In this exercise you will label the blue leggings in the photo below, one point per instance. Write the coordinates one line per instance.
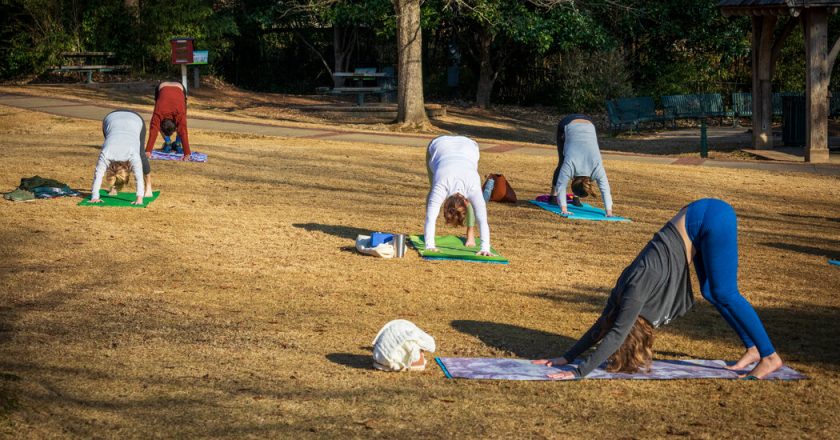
(712, 228)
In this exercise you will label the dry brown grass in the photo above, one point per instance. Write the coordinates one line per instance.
(234, 305)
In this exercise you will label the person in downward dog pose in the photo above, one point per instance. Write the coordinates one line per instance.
(579, 161)
(122, 154)
(452, 164)
(170, 116)
(655, 289)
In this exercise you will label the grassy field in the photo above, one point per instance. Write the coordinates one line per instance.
(236, 306)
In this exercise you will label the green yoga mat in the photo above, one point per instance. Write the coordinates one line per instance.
(122, 200)
(451, 247)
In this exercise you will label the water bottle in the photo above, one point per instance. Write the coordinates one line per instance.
(488, 189)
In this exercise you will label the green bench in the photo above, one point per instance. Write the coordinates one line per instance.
(632, 112)
(697, 106)
(742, 103)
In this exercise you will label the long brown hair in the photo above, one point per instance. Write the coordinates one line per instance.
(455, 210)
(636, 352)
(583, 186)
(120, 171)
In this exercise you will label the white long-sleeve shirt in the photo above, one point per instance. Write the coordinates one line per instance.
(453, 162)
(122, 130)
(582, 157)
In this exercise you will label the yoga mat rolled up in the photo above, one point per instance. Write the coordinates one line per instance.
(451, 247)
(121, 200)
(585, 212)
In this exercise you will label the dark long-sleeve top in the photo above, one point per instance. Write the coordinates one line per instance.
(655, 286)
(170, 104)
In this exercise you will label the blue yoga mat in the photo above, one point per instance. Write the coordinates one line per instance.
(834, 262)
(585, 212)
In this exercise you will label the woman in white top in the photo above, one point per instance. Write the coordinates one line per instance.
(452, 163)
(122, 153)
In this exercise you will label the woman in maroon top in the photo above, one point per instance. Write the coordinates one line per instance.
(170, 115)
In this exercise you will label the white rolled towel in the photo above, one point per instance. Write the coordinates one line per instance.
(400, 344)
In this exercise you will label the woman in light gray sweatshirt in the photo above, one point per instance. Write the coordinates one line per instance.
(579, 162)
(122, 154)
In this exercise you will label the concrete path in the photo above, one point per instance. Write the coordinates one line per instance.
(81, 110)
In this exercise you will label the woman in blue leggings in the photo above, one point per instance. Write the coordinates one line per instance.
(655, 289)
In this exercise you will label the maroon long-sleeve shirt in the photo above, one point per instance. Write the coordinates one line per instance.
(170, 104)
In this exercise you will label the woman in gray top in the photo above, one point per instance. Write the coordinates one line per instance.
(579, 162)
(655, 289)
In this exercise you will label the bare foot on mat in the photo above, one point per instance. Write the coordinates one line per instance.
(765, 367)
(750, 356)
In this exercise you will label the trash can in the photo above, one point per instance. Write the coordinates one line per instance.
(793, 121)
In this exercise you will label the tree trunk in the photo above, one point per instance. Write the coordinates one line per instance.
(486, 74)
(411, 109)
(343, 41)
(816, 85)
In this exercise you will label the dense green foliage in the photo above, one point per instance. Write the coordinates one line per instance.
(570, 54)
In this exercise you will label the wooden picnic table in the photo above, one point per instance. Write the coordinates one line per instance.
(357, 79)
(89, 62)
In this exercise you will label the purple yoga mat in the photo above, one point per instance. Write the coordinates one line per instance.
(523, 369)
(194, 156)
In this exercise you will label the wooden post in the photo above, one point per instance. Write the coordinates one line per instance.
(762, 89)
(816, 85)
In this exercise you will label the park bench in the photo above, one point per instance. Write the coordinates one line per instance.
(359, 84)
(87, 63)
(632, 112)
(697, 106)
(742, 104)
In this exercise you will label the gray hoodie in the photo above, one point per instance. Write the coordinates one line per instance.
(655, 286)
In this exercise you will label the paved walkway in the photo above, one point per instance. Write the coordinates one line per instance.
(75, 109)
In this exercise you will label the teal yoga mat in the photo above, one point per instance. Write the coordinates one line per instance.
(834, 262)
(451, 247)
(585, 212)
(121, 200)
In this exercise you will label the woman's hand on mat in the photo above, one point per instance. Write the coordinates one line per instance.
(139, 201)
(96, 201)
(563, 375)
(555, 362)
(186, 157)
(149, 154)
(609, 213)
(470, 243)
(485, 253)
(565, 212)
(433, 249)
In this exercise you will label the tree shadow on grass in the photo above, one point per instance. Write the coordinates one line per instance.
(348, 232)
(520, 341)
(357, 361)
(820, 252)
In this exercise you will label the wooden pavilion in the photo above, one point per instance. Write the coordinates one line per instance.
(766, 47)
